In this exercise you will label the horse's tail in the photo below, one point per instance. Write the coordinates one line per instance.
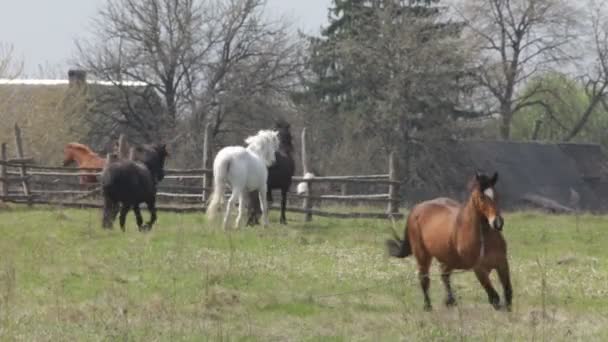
(220, 170)
(397, 247)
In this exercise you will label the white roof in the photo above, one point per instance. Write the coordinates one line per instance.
(66, 82)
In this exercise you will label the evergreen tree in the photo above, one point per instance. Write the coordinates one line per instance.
(384, 73)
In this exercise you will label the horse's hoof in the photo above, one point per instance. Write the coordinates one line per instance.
(428, 308)
(450, 302)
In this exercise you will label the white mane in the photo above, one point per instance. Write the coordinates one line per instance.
(264, 144)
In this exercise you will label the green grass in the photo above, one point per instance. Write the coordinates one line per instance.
(64, 278)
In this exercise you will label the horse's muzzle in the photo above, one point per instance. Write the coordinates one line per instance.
(498, 223)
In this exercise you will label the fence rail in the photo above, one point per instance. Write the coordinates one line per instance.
(183, 190)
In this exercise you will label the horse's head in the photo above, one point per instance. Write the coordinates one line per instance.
(485, 199)
(153, 156)
(68, 155)
(285, 138)
(73, 152)
(264, 144)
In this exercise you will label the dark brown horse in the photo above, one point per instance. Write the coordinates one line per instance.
(127, 183)
(280, 174)
(460, 236)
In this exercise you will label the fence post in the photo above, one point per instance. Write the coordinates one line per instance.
(206, 154)
(307, 202)
(123, 151)
(3, 180)
(393, 188)
(131, 153)
(344, 189)
(22, 168)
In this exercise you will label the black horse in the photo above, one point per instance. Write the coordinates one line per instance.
(127, 183)
(279, 175)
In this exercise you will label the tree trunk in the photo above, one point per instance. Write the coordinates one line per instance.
(536, 131)
(505, 122)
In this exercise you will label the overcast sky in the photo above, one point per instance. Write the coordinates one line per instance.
(43, 31)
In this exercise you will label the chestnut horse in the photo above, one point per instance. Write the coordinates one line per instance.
(85, 158)
(460, 236)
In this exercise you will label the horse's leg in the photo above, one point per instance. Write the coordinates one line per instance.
(264, 207)
(424, 264)
(110, 209)
(505, 280)
(106, 223)
(423, 259)
(229, 207)
(124, 209)
(253, 209)
(151, 204)
(242, 200)
(250, 212)
(483, 275)
(283, 219)
(138, 218)
(446, 272)
(257, 210)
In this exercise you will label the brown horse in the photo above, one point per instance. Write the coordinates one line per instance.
(85, 158)
(459, 237)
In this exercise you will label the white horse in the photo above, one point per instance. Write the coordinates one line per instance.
(246, 170)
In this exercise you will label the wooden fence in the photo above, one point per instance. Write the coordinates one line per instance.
(184, 190)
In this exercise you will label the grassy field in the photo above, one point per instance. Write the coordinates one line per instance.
(63, 278)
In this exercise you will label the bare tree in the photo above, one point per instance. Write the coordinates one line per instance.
(10, 67)
(155, 42)
(219, 62)
(596, 78)
(251, 62)
(516, 40)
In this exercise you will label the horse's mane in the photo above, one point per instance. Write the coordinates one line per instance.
(81, 147)
(472, 185)
(264, 144)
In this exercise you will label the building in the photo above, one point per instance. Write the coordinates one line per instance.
(54, 112)
(570, 175)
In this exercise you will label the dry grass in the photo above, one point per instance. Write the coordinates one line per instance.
(64, 278)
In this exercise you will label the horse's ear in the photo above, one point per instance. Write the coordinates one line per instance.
(478, 175)
(494, 178)
(163, 148)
